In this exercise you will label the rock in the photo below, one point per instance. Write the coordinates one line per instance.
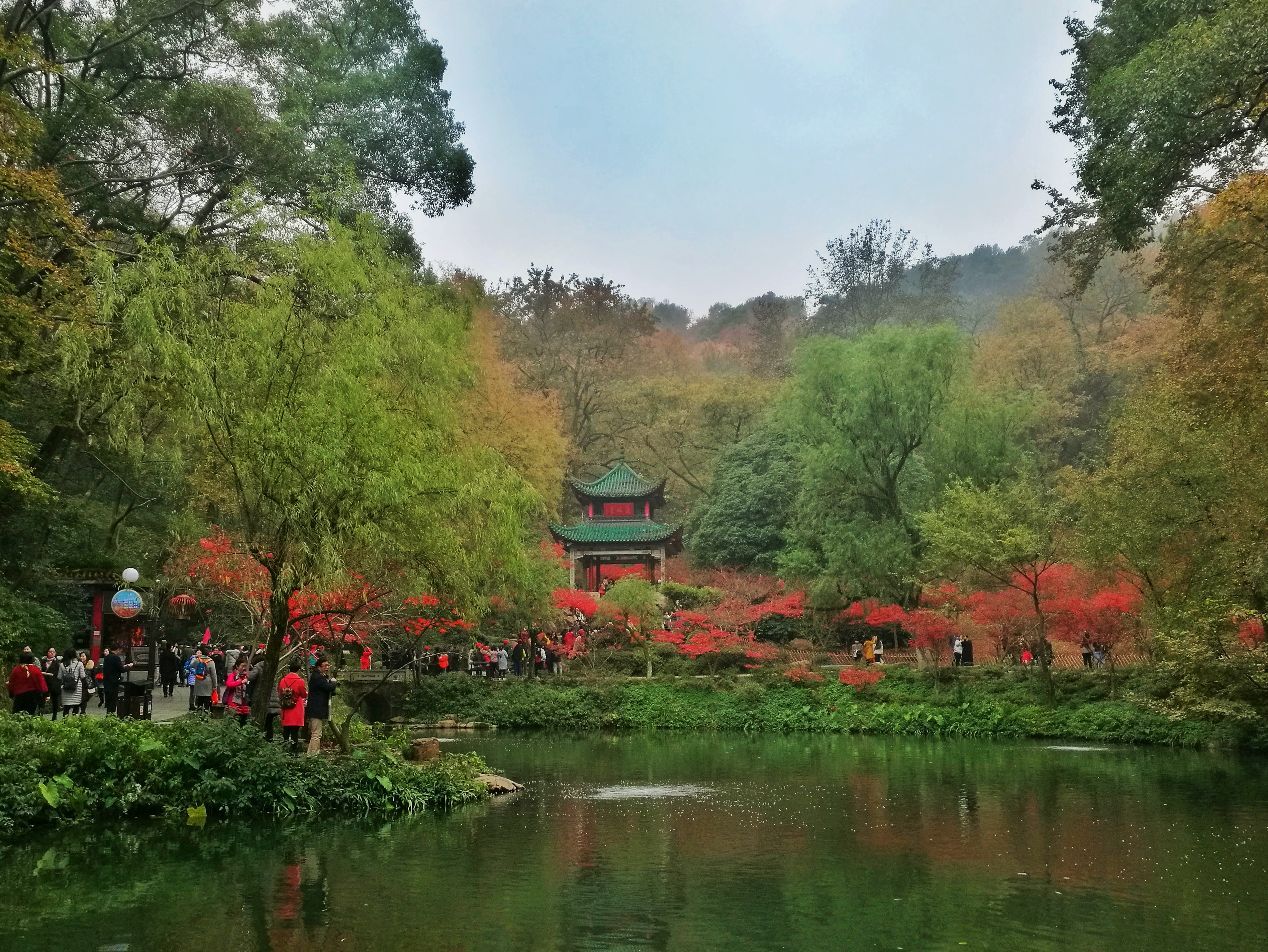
(423, 749)
(498, 785)
(447, 722)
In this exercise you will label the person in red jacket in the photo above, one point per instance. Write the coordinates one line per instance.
(292, 692)
(27, 686)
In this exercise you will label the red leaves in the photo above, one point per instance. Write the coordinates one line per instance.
(859, 678)
(800, 674)
(1251, 632)
(570, 599)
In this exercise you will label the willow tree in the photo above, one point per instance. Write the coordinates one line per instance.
(322, 379)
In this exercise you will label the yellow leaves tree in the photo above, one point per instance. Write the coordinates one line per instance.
(524, 426)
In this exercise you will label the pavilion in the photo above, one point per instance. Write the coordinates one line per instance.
(618, 527)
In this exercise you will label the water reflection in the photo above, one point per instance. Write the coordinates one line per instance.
(686, 843)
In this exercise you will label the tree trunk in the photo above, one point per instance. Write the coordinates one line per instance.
(279, 623)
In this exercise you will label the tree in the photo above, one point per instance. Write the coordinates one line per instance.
(680, 424)
(635, 605)
(325, 391)
(1007, 532)
(574, 338)
(162, 115)
(667, 315)
(877, 275)
(744, 521)
(1164, 101)
(863, 411)
(523, 426)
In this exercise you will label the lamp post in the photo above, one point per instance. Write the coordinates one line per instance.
(127, 604)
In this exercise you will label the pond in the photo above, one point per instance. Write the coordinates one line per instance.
(702, 843)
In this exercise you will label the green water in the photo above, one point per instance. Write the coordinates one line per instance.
(702, 843)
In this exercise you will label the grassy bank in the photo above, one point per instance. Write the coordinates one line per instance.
(974, 703)
(101, 769)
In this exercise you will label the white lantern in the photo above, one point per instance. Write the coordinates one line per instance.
(130, 576)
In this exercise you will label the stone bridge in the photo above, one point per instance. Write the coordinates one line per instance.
(380, 699)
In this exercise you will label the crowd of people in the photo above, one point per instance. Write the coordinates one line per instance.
(218, 680)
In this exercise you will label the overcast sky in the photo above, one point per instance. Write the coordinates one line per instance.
(702, 151)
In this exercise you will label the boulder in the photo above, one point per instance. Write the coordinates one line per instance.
(423, 749)
(498, 785)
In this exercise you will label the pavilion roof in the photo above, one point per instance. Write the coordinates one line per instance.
(601, 531)
(619, 482)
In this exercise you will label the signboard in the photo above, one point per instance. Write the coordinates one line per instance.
(125, 604)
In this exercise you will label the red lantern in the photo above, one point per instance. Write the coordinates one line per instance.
(182, 606)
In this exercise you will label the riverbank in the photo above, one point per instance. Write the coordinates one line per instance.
(981, 702)
(103, 769)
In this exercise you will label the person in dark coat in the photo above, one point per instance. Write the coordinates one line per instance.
(51, 665)
(321, 686)
(112, 668)
(169, 664)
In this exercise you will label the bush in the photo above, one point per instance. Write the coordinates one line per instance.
(972, 703)
(90, 768)
(690, 597)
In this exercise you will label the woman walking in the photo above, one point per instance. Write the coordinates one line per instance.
(73, 675)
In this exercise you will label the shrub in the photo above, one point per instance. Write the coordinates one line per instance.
(859, 678)
(89, 768)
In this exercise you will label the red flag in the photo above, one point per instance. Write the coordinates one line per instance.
(207, 636)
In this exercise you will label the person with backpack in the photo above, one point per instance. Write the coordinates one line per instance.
(72, 676)
(206, 680)
(51, 666)
(27, 686)
(292, 692)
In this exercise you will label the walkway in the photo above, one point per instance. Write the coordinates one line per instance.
(165, 709)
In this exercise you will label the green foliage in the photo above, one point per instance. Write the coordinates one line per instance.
(744, 521)
(690, 597)
(884, 422)
(981, 703)
(97, 769)
(1163, 99)
(26, 621)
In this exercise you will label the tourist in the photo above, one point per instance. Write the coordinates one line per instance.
(168, 665)
(218, 659)
(1086, 650)
(856, 650)
(957, 651)
(504, 662)
(194, 655)
(291, 694)
(233, 655)
(366, 658)
(879, 650)
(1098, 655)
(321, 686)
(90, 681)
(1027, 657)
(27, 686)
(113, 668)
(237, 699)
(442, 663)
(51, 667)
(869, 649)
(73, 677)
(206, 680)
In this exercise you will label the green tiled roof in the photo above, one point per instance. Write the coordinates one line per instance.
(620, 482)
(615, 530)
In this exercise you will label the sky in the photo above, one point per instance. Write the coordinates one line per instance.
(702, 151)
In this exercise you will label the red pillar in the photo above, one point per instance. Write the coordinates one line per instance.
(98, 606)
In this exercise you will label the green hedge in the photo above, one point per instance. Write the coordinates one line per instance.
(98, 768)
(906, 702)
